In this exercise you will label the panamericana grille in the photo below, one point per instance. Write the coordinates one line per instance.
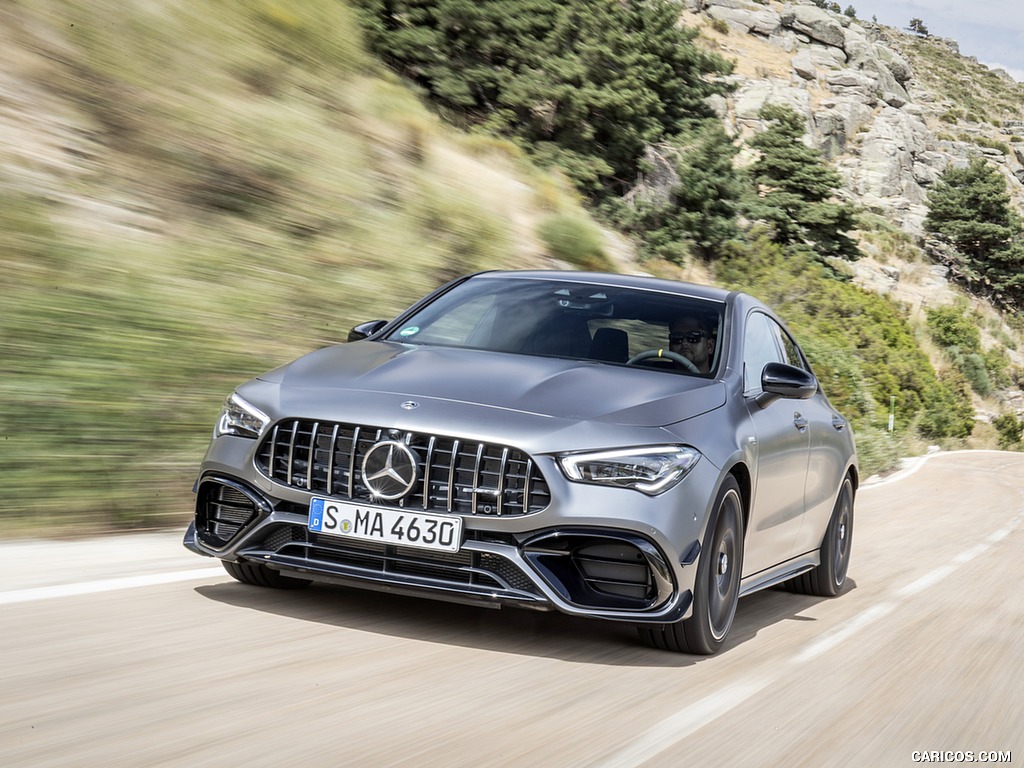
(459, 476)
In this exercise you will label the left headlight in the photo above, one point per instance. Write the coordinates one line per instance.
(650, 470)
(240, 418)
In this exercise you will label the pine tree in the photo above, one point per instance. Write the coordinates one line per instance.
(918, 28)
(795, 188)
(697, 214)
(709, 190)
(970, 209)
(587, 84)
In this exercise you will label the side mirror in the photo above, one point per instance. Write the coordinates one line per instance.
(788, 381)
(365, 330)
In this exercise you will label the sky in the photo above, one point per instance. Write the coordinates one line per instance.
(990, 30)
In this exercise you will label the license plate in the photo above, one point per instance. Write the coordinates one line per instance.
(389, 526)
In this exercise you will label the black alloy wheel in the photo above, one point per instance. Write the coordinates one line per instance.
(829, 577)
(717, 587)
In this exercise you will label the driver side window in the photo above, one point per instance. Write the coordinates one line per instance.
(760, 347)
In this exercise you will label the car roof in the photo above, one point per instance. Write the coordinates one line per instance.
(643, 282)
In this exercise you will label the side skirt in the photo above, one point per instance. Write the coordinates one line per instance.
(780, 573)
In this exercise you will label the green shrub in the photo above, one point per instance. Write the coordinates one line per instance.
(997, 365)
(860, 344)
(877, 450)
(575, 240)
(951, 327)
(973, 368)
(984, 141)
(948, 412)
(1010, 429)
(1002, 336)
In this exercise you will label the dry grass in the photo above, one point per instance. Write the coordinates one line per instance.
(194, 193)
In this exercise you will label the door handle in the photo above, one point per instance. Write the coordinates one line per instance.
(838, 423)
(799, 422)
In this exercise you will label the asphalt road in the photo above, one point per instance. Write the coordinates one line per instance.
(130, 651)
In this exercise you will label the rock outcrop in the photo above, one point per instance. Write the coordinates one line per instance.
(865, 109)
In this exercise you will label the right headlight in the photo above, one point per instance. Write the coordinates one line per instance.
(651, 470)
(240, 418)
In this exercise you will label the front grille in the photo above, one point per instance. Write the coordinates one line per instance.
(458, 476)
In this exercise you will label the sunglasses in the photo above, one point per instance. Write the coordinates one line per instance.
(691, 337)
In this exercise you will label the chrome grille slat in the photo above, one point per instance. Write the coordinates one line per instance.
(477, 466)
(312, 454)
(352, 462)
(428, 463)
(451, 474)
(501, 480)
(291, 451)
(273, 447)
(456, 475)
(330, 459)
(527, 486)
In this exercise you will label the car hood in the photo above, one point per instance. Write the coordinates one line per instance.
(361, 374)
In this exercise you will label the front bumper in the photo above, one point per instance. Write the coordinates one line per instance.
(582, 570)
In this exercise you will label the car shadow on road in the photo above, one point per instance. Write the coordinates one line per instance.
(525, 632)
(767, 608)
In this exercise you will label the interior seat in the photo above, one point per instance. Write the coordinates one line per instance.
(610, 345)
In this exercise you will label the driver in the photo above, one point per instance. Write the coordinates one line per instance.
(693, 340)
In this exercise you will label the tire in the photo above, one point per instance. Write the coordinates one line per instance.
(261, 576)
(717, 587)
(829, 577)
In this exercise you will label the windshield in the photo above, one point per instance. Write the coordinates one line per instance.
(572, 320)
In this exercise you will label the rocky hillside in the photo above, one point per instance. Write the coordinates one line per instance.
(891, 111)
(873, 105)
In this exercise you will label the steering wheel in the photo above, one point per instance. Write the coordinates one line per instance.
(647, 354)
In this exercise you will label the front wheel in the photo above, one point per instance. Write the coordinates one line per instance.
(260, 575)
(829, 577)
(717, 588)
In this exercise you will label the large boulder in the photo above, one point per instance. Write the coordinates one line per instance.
(887, 68)
(817, 23)
(896, 64)
(803, 65)
(888, 157)
(854, 83)
(752, 95)
(837, 121)
(756, 20)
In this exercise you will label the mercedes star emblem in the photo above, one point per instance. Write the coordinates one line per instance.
(390, 470)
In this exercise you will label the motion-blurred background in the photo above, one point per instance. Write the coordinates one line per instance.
(195, 191)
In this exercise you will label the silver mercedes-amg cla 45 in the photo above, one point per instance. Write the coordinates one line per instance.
(616, 447)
